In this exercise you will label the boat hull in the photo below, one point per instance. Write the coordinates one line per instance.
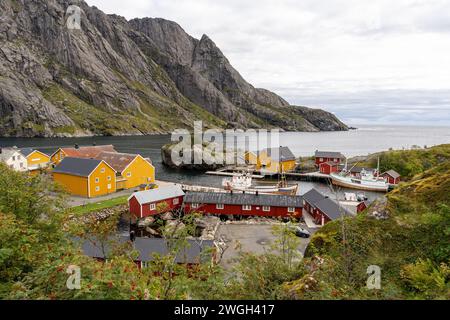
(359, 186)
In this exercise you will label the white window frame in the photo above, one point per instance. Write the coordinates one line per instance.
(195, 205)
(128, 174)
(109, 178)
(247, 207)
(176, 201)
(103, 170)
(220, 206)
(97, 189)
(266, 208)
(109, 186)
(97, 180)
(152, 206)
(321, 159)
(291, 209)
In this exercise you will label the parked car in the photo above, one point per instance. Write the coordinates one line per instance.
(300, 232)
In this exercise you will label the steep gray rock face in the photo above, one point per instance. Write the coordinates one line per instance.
(117, 77)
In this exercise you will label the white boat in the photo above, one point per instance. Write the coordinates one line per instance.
(366, 181)
(244, 182)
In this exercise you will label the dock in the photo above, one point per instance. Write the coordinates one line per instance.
(231, 174)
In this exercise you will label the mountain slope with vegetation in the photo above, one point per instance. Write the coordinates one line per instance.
(411, 247)
(409, 162)
(117, 77)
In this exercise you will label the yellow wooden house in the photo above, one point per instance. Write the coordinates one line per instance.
(272, 160)
(132, 170)
(88, 178)
(36, 160)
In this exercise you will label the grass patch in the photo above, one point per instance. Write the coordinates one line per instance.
(97, 206)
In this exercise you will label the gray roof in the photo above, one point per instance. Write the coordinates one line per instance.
(159, 194)
(329, 154)
(27, 151)
(196, 251)
(280, 154)
(244, 199)
(394, 174)
(331, 209)
(313, 196)
(77, 166)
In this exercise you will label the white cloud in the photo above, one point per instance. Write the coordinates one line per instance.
(348, 56)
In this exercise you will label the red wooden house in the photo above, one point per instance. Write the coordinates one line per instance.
(322, 208)
(156, 201)
(243, 204)
(328, 156)
(329, 167)
(392, 177)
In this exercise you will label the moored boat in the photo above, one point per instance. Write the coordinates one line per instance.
(244, 183)
(366, 181)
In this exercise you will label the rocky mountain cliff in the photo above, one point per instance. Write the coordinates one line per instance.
(116, 77)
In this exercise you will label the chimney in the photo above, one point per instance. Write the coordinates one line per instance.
(257, 193)
(77, 146)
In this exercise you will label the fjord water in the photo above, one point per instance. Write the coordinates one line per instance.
(367, 139)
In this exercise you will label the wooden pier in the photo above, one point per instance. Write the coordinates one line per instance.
(231, 174)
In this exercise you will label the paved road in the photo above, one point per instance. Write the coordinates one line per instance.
(249, 238)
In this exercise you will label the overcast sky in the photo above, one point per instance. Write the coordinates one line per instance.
(373, 61)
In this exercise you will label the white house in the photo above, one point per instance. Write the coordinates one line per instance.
(14, 159)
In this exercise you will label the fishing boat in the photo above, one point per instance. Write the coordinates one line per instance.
(367, 180)
(244, 182)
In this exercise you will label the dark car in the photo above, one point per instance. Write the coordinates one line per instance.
(300, 232)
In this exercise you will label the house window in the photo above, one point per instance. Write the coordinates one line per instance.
(176, 201)
(128, 174)
(247, 208)
(97, 188)
(109, 187)
(266, 209)
(109, 178)
(220, 206)
(103, 170)
(149, 179)
(97, 180)
(321, 159)
(291, 210)
(153, 206)
(194, 205)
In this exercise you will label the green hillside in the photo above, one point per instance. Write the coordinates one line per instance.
(411, 247)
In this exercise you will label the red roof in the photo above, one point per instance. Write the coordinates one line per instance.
(119, 161)
(87, 152)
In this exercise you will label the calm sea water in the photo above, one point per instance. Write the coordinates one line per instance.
(352, 143)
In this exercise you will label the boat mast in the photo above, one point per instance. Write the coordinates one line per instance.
(378, 167)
